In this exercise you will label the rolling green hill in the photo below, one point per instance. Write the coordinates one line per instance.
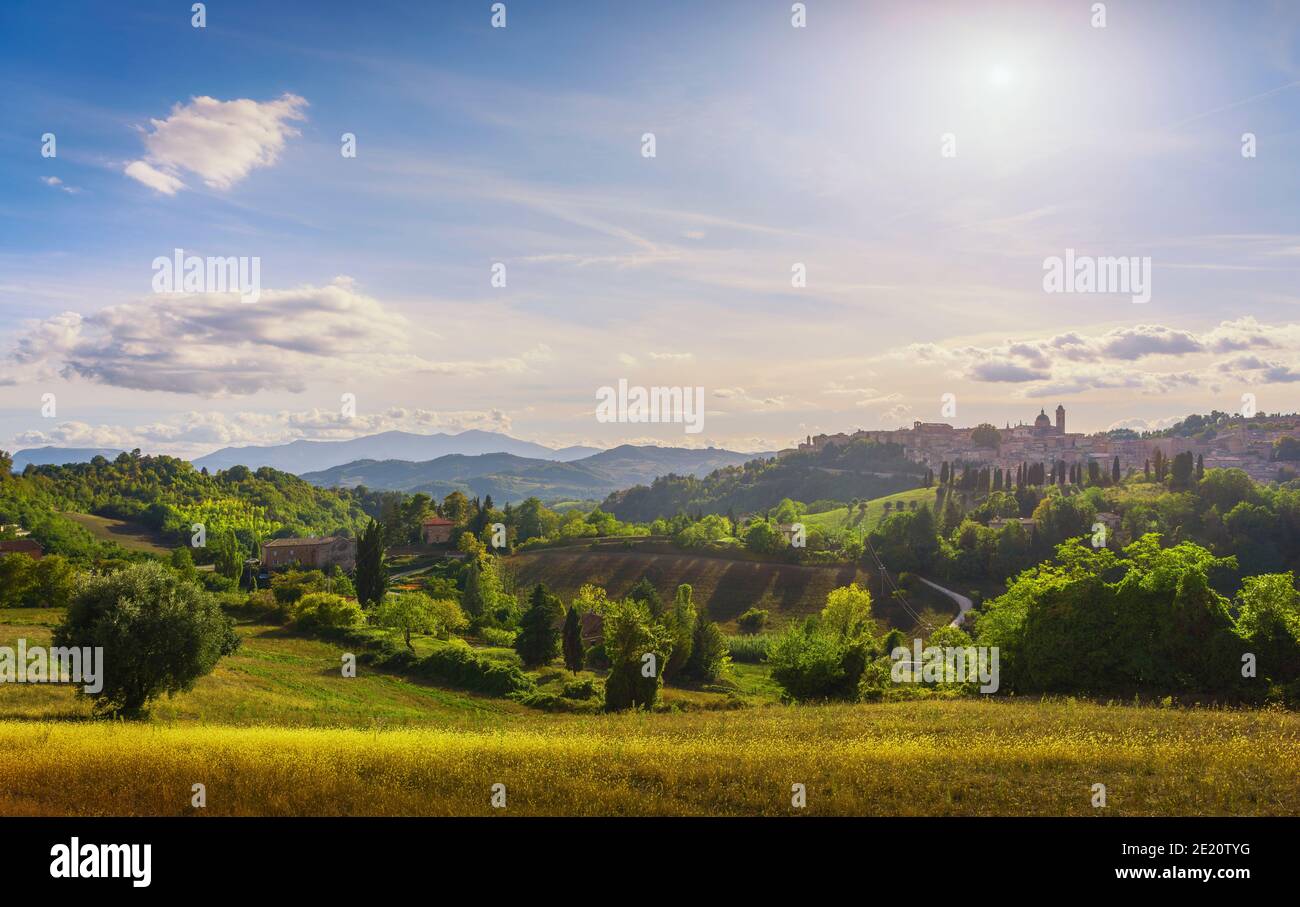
(862, 469)
(837, 520)
(506, 477)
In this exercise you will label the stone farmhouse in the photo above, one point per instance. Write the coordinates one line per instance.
(311, 554)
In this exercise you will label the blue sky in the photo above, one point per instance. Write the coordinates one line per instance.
(522, 145)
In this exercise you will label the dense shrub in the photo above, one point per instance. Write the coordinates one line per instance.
(456, 665)
(498, 636)
(324, 611)
(708, 652)
(752, 621)
(585, 688)
(1146, 620)
(748, 649)
(26, 583)
(596, 659)
(825, 658)
(811, 664)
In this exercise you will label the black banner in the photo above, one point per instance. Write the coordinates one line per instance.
(527, 856)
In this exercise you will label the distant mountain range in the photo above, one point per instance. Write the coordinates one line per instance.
(57, 456)
(507, 477)
(474, 462)
(299, 457)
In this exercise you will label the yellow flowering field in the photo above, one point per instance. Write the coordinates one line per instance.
(913, 758)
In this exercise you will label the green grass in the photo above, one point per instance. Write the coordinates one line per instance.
(275, 678)
(896, 759)
(276, 730)
(840, 518)
(131, 536)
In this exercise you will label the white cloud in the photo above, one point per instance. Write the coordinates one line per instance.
(898, 414)
(214, 345)
(1074, 362)
(153, 178)
(754, 401)
(56, 183)
(219, 141)
(196, 433)
(1145, 424)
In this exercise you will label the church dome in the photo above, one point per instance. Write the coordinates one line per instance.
(1043, 420)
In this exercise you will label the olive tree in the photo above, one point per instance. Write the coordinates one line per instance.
(159, 633)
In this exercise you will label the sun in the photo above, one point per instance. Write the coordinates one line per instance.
(1001, 75)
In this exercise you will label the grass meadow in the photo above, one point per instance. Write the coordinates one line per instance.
(899, 759)
(276, 730)
(842, 518)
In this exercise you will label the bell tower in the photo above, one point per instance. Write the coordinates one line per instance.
(1060, 419)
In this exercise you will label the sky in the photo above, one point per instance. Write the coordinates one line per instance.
(919, 163)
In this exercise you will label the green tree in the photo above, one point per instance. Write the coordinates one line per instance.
(411, 613)
(644, 592)
(986, 435)
(848, 612)
(54, 582)
(709, 652)
(372, 570)
(455, 507)
(825, 659)
(1183, 470)
(637, 649)
(680, 623)
(1286, 448)
(483, 593)
(227, 555)
(17, 578)
(538, 641)
(764, 538)
(572, 640)
(159, 634)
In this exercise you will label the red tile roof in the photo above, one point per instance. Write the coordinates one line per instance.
(21, 546)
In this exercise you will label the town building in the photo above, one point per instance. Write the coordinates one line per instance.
(434, 530)
(1245, 444)
(311, 554)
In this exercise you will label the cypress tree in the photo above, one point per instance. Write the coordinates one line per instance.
(539, 631)
(572, 641)
(372, 572)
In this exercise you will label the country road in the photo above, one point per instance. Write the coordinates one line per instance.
(964, 604)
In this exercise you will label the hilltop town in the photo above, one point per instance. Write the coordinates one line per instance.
(1226, 442)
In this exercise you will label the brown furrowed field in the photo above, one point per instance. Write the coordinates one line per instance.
(918, 758)
(727, 587)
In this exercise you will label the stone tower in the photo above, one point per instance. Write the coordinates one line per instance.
(1060, 419)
